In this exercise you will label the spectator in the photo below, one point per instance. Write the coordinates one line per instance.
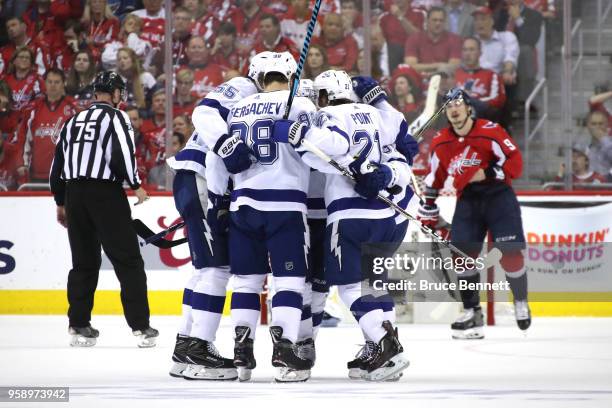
(152, 16)
(401, 21)
(316, 62)
(352, 21)
(24, 81)
(9, 118)
(271, 38)
(180, 37)
(205, 22)
(130, 36)
(184, 100)
(154, 130)
(602, 101)
(63, 57)
(380, 50)
(406, 93)
(80, 79)
(483, 85)
(206, 75)
(41, 126)
(295, 22)
(526, 24)
(45, 20)
(460, 18)
(158, 174)
(427, 4)
(435, 48)
(121, 8)
(224, 52)
(545, 7)
(139, 146)
(600, 145)
(582, 173)
(101, 26)
(232, 73)
(9, 162)
(138, 82)
(500, 49)
(246, 20)
(341, 50)
(182, 124)
(18, 37)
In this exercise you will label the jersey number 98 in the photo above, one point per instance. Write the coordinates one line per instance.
(257, 138)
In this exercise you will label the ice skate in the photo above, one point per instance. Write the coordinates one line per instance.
(244, 360)
(329, 320)
(205, 363)
(306, 350)
(522, 314)
(358, 367)
(83, 336)
(470, 325)
(146, 338)
(289, 366)
(179, 364)
(387, 360)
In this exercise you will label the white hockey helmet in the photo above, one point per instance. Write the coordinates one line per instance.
(337, 85)
(281, 62)
(306, 89)
(257, 66)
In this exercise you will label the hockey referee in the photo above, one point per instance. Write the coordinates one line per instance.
(93, 157)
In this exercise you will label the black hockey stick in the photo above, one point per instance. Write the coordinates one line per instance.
(157, 240)
(295, 82)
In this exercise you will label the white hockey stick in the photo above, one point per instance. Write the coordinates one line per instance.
(418, 125)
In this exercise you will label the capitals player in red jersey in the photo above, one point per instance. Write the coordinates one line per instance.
(483, 160)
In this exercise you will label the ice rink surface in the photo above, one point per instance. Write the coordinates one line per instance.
(563, 362)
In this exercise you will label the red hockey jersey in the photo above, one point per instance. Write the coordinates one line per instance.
(24, 90)
(39, 132)
(9, 163)
(482, 84)
(491, 141)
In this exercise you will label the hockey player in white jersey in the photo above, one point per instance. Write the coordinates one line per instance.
(354, 216)
(195, 356)
(268, 224)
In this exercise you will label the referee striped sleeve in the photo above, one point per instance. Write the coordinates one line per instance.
(123, 154)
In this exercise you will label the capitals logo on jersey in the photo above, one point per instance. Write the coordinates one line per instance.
(459, 163)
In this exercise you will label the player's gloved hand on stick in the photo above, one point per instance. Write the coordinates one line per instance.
(368, 90)
(235, 154)
(217, 215)
(289, 131)
(372, 179)
(428, 214)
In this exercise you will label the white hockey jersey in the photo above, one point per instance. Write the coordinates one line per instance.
(366, 133)
(278, 181)
(316, 195)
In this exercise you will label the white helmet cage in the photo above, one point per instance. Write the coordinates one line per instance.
(282, 63)
(257, 66)
(337, 85)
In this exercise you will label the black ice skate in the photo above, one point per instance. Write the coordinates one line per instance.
(289, 366)
(470, 325)
(358, 367)
(205, 362)
(522, 314)
(179, 364)
(244, 360)
(387, 360)
(306, 350)
(83, 336)
(147, 337)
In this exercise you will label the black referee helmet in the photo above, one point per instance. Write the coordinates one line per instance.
(108, 81)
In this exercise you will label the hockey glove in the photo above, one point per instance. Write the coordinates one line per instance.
(235, 154)
(494, 172)
(368, 90)
(407, 146)
(372, 181)
(428, 215)
(289, 131)
(217, 215)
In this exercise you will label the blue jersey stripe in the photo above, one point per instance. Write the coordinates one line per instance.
(213, 103)
(340, 132)
(191, 155)
(315, 204)
(355, 203)
(294, 196)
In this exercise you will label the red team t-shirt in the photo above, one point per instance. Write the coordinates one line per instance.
(482, 84)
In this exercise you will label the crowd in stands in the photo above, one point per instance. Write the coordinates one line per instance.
(50, 51)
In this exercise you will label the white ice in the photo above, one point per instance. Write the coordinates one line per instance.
(560, 363)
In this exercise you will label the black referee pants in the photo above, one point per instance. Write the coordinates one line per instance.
(98, 215)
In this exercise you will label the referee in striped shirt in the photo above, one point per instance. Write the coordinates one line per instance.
(94, 155)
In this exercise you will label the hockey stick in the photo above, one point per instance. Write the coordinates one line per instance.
(157, 240)
(295, 82)
(430, 107)
(491, 258)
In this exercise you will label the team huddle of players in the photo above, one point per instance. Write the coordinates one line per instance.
(257, 200)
